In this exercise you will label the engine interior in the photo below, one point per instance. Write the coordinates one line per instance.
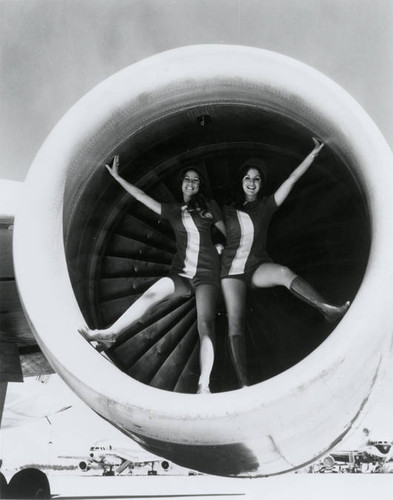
(116, 248)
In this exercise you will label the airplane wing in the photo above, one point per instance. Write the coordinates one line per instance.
(344, 456)
(20, 355)
(33, 400)
(139, 456)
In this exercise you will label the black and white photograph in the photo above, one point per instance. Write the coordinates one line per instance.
(196, 249)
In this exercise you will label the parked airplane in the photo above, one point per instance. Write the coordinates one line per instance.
(113, 460)
(371, 456)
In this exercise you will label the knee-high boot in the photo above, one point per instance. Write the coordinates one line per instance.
(305, 292)
(237, 345)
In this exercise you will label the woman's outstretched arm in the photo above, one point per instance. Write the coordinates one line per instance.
(137, 193)
(283, 191)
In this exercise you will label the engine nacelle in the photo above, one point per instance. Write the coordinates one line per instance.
(164, 464)
(214, 103)
(329, 461)
(84, 466)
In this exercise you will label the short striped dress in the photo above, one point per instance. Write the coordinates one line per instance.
(247, 230)
(196, 257)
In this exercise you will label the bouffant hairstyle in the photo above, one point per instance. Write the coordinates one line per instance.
(259, 165)
(199, 200)
(256, 163)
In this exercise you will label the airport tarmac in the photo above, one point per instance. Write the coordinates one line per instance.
(290, 486)
(63, 486)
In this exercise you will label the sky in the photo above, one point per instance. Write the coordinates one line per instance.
(53, 52)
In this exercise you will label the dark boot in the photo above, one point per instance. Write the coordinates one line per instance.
(305, 292)
(237, 344)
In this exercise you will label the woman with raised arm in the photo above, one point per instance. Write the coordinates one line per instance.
(195, 267)
(246, 263)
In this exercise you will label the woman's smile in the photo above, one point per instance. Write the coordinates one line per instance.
(190, 184)
(251, 184)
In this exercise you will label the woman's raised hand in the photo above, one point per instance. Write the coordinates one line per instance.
(283, 191)
(318, 145)
(114, 169)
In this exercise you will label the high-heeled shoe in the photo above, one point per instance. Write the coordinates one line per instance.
(102, 344)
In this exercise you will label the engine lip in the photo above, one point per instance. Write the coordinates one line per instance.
(91, 376)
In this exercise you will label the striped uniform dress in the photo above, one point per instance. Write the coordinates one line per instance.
(196, 257)
(246, 237)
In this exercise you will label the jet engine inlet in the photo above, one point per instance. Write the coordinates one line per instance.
(83, 466)
(92, 251)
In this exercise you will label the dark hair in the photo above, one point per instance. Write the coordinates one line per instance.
(256, 163)
(198, 200)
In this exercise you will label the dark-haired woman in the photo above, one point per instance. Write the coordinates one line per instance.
(246, 263)
(195, 267)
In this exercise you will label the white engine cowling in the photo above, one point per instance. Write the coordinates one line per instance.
(293, 417)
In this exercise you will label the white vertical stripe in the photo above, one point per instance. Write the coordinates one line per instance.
(192, 250)
(246, 241)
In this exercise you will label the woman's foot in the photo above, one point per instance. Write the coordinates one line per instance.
(334, 313)
(105, 338)
(203, 389)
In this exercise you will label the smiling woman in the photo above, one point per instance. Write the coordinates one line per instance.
(246, 263)
(194, 270)
(214, 106)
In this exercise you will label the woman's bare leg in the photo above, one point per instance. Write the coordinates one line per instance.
(271, 274)
(162, 289)
(235, 291)
(206, 304)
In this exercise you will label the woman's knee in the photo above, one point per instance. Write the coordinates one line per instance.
(286, 276)
(206, 327)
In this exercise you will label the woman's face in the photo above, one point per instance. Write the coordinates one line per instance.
(251, 184)
(190, 184)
